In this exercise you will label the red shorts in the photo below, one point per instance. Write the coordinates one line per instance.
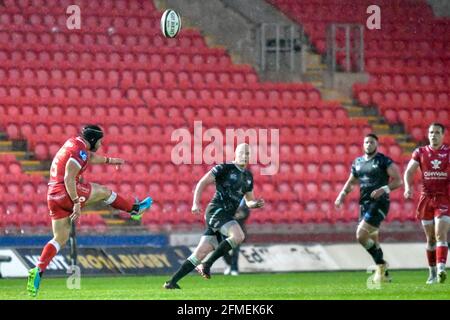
(59, 202)
(431, 206)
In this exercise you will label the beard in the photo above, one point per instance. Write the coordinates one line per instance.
(241, 163)
(371, 153)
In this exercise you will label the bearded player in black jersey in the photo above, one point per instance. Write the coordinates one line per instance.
(233, 182)
(377, 176)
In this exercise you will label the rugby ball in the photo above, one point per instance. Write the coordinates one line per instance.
(170, 23)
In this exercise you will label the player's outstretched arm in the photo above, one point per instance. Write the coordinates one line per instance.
(206, 180)
(251, 202)
(408, 177)
(97, 159)
(396, 181)
(346, 189)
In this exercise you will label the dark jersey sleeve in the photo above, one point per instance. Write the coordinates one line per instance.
(218, 171)
(387, 162)
(354, 173)
(249, 186)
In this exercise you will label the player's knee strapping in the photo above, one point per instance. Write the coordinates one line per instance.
(232, 243)
(111, 198)
(117, 202)
(193, 259)
(375, 251)
(369, 244)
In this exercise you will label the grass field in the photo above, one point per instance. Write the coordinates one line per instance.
(288, 286)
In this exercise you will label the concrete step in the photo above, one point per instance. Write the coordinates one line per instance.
(19, 154)
(373, 120)
(408, 145)
(313, 59)
(310, 76)
(355, 113)
(115, 222)
(31, 165)
(381, 128)
(280, 76)
(45, 173)
(351, 108)
(346, 100)
(6, 145)
(330, 94)
(316, 68)
(318, 84)
(401, 138)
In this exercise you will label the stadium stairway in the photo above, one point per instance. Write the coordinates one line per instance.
(246, 17)
(407, 60)
(25, 158)
(316, 73)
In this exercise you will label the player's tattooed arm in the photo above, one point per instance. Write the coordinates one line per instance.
(251, 202)
(206, 180)
(348, 187)
(408, 177)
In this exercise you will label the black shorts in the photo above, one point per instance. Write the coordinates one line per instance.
(215, 218)
(373, 212)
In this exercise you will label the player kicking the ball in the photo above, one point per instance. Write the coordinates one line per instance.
(432, 209)
(232, 182)
(67, 195)
(373, 171)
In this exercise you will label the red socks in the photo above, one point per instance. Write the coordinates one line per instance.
(120, 203)
(441, 252)
(50, 250)
(431, 255)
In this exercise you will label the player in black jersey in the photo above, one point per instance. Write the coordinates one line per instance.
(233, 182)
(373, 172)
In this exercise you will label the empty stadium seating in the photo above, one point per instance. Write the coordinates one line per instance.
(121, 73)
(408, 59)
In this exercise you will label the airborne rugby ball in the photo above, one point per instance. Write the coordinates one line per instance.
(170, 23)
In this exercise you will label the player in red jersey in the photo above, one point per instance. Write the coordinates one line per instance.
(67, 194)
(433, 207)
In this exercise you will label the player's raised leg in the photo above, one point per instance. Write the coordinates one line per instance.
(102, 193)
(206, 245)
(428, 227)
(442, 226)
(61, 231)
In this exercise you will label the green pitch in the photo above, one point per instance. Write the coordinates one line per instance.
(288, 286)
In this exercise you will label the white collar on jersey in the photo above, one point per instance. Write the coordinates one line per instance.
(430, 148)
(367, 159)
(240, 169)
